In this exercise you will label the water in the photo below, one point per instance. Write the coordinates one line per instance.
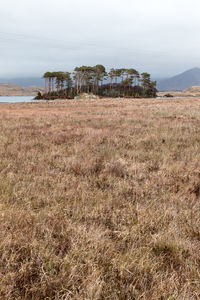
(15, 99)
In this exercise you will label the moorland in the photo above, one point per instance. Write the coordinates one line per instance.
(100, 199)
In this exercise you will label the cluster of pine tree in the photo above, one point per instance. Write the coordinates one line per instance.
(115, 83)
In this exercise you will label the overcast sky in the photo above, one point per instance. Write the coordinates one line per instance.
(157, 36)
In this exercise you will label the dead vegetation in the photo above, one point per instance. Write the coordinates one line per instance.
(100, 199)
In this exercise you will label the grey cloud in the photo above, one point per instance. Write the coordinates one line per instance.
(156, 36)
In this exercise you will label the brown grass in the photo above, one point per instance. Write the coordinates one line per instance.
(100, 199)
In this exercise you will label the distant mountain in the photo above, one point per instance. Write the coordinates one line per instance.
(180, 82)
(24, 81)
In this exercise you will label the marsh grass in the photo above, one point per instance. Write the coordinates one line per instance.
(100, 199)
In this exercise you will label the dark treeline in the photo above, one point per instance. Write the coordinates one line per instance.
(120, 83)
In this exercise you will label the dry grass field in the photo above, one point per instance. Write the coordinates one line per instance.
(100, 199)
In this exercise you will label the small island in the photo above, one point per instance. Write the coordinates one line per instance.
(128, 83)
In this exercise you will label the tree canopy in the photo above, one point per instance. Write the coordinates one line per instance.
(123, 82)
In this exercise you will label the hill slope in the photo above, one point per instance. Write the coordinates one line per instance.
(8, 89)
(180, 82)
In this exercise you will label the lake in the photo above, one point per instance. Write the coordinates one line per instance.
(15, 99)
